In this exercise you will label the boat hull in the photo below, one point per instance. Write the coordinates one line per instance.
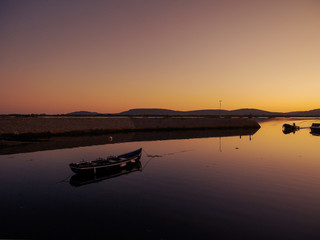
(120, 161)
(315, 129)
(103, 168)
(83, 179)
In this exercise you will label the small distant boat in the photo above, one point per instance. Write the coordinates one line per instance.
(287, 128)
(102, 164)
(315, 128)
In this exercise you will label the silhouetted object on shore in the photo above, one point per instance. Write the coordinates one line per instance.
(287, 128)
(103, 164)
(83, 179)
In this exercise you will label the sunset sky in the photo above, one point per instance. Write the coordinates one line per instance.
(111, 56)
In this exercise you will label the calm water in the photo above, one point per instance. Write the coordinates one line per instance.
(262, 186)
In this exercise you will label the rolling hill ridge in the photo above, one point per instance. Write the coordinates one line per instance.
(205, 112)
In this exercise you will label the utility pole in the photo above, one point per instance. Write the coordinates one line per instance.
(220, 108)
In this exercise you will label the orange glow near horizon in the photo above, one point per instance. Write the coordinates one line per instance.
(111, 56)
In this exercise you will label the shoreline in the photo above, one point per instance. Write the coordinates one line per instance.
(42, 127)
(62, 142)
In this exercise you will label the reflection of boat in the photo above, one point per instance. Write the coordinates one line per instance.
(315, 128)
(287, 128)
(82, 179)
(315, 133)
(102, 164)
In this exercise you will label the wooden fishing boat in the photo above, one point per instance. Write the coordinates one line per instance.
(102, 164)
(78, 180)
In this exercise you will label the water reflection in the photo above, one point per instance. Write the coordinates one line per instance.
(315, 134)
(83, 179)
(11, 147)
(225, 188)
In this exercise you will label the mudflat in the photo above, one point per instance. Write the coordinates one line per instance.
(17, 126)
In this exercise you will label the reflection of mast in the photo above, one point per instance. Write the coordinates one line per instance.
(220, 148)
(249, 137)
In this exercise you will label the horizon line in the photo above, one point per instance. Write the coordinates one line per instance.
(213, 109)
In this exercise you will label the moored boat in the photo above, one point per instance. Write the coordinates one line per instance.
(84, 179)
(287, 128)
(315, 128)
(102, 164)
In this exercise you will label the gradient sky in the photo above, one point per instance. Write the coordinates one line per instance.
(111, 56)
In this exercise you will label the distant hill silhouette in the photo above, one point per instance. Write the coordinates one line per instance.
(253, 111)
(315, 112)
(150, 111)
(206, 112)
(214, 112)
(82, 113)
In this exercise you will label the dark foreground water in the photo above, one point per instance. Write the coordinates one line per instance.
(263, 186)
